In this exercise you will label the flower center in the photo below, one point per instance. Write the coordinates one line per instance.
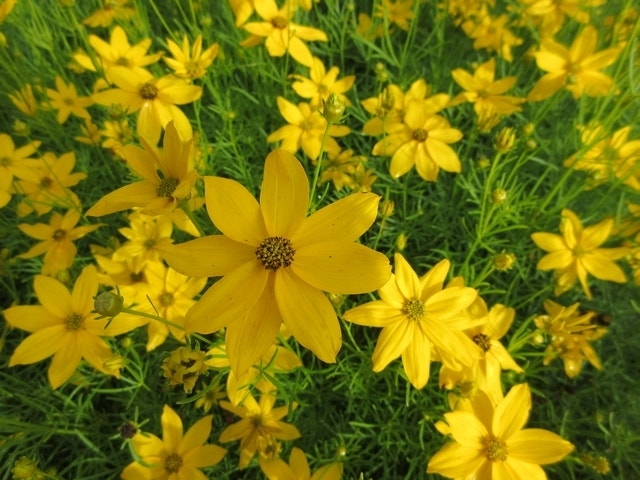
(173, 463)
(275, 252)
(496, 450)
(59, 234)
(279, 22)
(483, 341)
(46, 182)
(149, 243)
(148, 91)
(123, 62)
(74, 321)
(136, 277)
(167, 187)
(414, 309)
(166, 299)
(5, 162)
(68, 101)
(420, 135)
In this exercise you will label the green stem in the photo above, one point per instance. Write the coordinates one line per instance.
(316, 173)
(163, 320)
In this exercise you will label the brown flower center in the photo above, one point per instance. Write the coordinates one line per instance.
(496, 450)
(167, 187)
(59, 234)
(279, 22)
(414, 309)
(74, 321)
(173, 463)
(123, 62)
(275, 252)
(483, 341)
(420, 135)
(166, 299)
(46, 182)
(148, 91)
(5, 162)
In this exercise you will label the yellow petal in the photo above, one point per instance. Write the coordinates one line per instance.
(204, 456)
(299, 464)
(84, 291)
(53, 296)
(559, 259)
(512, 413)
(549, 242)
(64, 362)
(341, 267)
(546, 86)
(456, 461)
(40, 345)
(284, 194)
(276, 469)
(406, 279)
(602, 268)
(416, 359)
(196, 435)
(534, 445)
(512, 468)
(375, 314)
(467, 429)
(171, 429)
(136, 194)
(31, 317)
(309, 316)
(392, 342)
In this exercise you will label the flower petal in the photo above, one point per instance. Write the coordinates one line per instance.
(196, 436)
(512, 413)
(171, 429)
(534, 445)
(39, 345)
(456, 461)
(416, 360)
(65, 361)
(204, 456)
(392, 342)
(53, 295)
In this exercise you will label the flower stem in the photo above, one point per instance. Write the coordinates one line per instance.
(316, 172)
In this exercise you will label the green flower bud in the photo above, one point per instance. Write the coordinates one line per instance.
(108, 304)
(333, 109)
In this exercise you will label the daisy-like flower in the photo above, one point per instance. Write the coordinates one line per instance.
(145, 235)
(24, 100)
(575, 253)
(65, 327)
(321, 84)
(282, 35)
(168, 177)
(154, 98)
(298, 468)
(117, 52)
(577, 69)
(14, 160)
(66, 101)
(305, 130)
(491, 442)
(399, 12)
(242, 10)
(422, 140)
(191, 62)
(261, 426)
(90, 133)
(177, 455)
(112, 10)
(420, 320)
(56, 240)
(491, 33)
(276, 263)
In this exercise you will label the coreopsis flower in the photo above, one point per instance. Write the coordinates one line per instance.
(183, 367)
(145, 236)
(117, 133)
(550, 16)
(575, 253)
(368, 29)
(608, 157)
(24, 100)
(90, 133)
(56, 240)
(305, 130)
(491, 33)
(63, 325)
(154, 98)
(46, 184)
(128, 276)
(112, 10)
(576, 69)
(210, 396)
(14, 161)
(277, 360)
(276, 263)
(398, 12)
(190, 62)
(118, 52)
(422, 140)
(491, 443)
(298, 468)
(485, 92)
(168, 177)
(66, 101)
(282, 35)
(242, 10)
(259, 428)
(420, 320)
(340, 168)
(321, 84)
(5, 9)
(169, 295)
(176, 455)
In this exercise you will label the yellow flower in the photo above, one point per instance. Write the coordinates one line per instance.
(282, 35)
(176, 455)
(90, 133)
(298, 468)
(168, 177)
(341, 167)
(145, 235)
(118, 52)
(117, 133)
(491, 442)
(183, 367)
(112, 10)
(422, 140)
(420, 320)
(259, 428)
(66, 101)
(491, 33)
(305, 130)
(65, 327)
(485, 92)
(242, 10)
(192, 62)
(24, 100)
(14, 161)
(399, 12)
(321, 84)
(154, 98)
(57, 240)
(575, 68)
(276, 263)
(575, 253)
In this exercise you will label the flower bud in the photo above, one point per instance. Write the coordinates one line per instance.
(333, 109)
(499, 195)
(504, 261)
(401, 242)
(505, 140)
(108, 304)
(387, 207)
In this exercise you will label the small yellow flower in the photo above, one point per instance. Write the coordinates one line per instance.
(575, 253)
(24, 100)
(90, 133)
(491, 33)
(298, 468)
(183, 367)
(191, 63)
(66, 101)
(176, 455)
(399, 12)
(112, 10)
(14, 161)
(145, 235)
(322, 83)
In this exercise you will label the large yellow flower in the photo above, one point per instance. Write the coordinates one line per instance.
(176, 456)
(575, 253)
(276, 263)
(419, 320)
(65, 327)
(491, 444)
(168, 177)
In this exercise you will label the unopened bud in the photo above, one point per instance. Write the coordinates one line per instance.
(333, 109)
(499, 195)
(401, 242)
(505, 140)
(108, 304)
(387, 207)
(504, 261)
